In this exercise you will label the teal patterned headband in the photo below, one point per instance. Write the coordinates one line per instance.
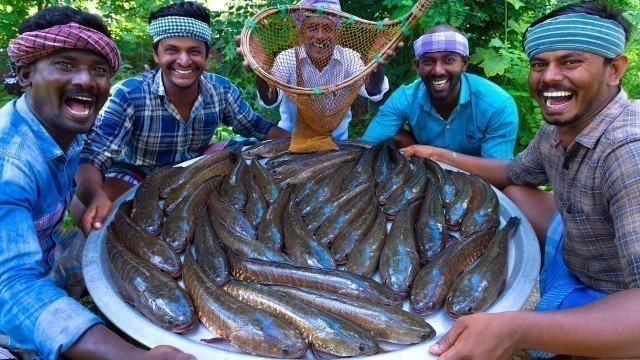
(581, 32)
(177, 26)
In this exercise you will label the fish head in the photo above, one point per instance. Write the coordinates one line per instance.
(344, 343)
(282, 342)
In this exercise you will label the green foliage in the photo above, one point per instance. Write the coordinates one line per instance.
(494, 29)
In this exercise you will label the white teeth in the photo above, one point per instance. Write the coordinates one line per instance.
(556, 94)
(82, 98)
(82, 113)
(439, 83)
(183, 71)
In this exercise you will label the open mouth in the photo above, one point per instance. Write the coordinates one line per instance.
(183, 72)
(439, 83)
(321, 44)
(556, 99)
(79, 105)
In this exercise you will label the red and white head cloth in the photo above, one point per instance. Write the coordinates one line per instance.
(34, 45)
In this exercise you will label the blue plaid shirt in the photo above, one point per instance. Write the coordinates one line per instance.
(36, 178)
(140, 126)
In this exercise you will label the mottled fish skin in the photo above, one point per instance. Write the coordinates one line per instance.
(266, 182)
(434, 280)
(230, 216)
(244, 245)
(331, 227)
(188, 172)
(446, 185)
(267, 148)
(320, 213)
(326, 332)
(363, 171)
(248, 329)
(326, 190)
(480, 285)
(146, 210)
(307, 161)
(146, 246)
(409, 192)
(456, 211)
(329, 280)
(256, 204)
(430, 227)
(153, 293)
(383, 165)
(180, 226)
(385, 323)
(298, 175)
(400, 175)
(232, 190)
(210, 255)
(185, 189)
(364, 258)
(483, 209)
(352, 233)
(270, 229)
(301, 245)
(399, 262)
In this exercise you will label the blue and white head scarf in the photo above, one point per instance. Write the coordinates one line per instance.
(178, 26)
(580, 32)
(442, 41)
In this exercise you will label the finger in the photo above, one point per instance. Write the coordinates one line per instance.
(400, 44)
(448, 340)
(408, 151)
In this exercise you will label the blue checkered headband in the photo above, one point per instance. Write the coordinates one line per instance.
(442, 41)
(178, 26)
(580, 32)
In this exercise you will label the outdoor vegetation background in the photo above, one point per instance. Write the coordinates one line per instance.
(494, 29)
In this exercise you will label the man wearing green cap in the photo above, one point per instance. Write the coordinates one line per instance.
(162, 117)
(589, 152)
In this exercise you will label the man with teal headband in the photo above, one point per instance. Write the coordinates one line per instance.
(448, 108)
(589, 152)
(162, 117)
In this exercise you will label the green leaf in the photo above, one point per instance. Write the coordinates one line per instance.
(516, 3)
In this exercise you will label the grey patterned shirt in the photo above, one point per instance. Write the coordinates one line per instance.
(596, 185)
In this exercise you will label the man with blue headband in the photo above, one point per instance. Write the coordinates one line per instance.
(589, 152)
(448, 108)
(162, 117)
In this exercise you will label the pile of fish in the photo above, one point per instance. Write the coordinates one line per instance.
(279, 254)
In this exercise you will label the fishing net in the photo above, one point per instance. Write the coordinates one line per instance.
(292, 48)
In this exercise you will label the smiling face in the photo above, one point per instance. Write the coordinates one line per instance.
(182, 61)
(319, 36)
(571, 87)
(66, 90)
(440, 73)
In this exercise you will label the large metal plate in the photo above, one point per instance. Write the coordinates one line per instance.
(524, 265)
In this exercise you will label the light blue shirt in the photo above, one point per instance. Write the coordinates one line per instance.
(36, 186)
(484, 123)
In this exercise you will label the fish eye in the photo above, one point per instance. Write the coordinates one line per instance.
(469, 309)
(362, 347)
(285, 350)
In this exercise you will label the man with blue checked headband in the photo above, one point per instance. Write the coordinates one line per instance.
(162, 117)
(588, 150)
(448, 109)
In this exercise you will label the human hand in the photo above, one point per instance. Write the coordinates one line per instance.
(257, 51)
(167, 352)
(95, 213)
(478, 336)
(423, 151)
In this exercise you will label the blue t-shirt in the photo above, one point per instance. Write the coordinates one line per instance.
(484, 123)
(36, 186)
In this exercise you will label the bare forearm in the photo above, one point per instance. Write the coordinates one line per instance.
(494, 170)
(267, 93)
(90, 182)
(277, 132)
(98, 342)
(609, 327)
(374, 85)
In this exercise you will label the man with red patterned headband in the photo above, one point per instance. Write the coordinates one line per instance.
(447, 107)
(64, 58)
